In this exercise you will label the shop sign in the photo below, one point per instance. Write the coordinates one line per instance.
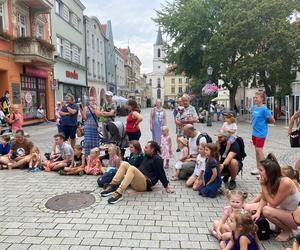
(31, 71)
(73, 75)
(28, 97)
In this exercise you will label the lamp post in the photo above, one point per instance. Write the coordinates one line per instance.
(209, 73)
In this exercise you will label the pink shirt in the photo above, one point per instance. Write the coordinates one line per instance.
(17, 122)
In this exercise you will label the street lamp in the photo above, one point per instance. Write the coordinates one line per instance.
(208, 90)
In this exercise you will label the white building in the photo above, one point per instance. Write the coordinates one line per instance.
(120, 72)
(156, 77)
(95, 47)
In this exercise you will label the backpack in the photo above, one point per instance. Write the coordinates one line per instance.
(241, 143)
(264, 230)
(207, 137)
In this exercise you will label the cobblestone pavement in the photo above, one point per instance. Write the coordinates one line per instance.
(153, 220)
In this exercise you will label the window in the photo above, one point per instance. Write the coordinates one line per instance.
(89, 65)
(173, 80)
(150, 81)
(75, 54)
(98, 68)
(94, 68)
(88, 38)
(158, 93)
(67, 50)
(158, 81)
(173, 90)
(187, 80)
(102, 70)
(158, 53)
(65, 13)
(93, 41)
(180, 80)
(180, 90)
(58, 7)
(59, 46)
(3, 18)
(75, 21)
(22, 26)
(40, 31)
(158, 67)
(98, 44)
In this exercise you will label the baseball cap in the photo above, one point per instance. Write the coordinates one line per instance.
(109, 93)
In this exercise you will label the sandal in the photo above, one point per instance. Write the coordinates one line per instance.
(174, 178)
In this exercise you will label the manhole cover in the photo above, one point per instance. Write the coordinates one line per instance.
(70, 201)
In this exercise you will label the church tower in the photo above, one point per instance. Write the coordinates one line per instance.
(156, 78)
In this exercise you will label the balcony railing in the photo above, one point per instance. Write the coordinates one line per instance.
(27, 50)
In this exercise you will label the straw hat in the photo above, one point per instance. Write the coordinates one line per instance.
(182, 140)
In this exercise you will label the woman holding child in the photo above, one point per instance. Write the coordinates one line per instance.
(277, 200)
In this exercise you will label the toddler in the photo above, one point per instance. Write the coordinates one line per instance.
(182, 144)
(229, 127)
(212, 177)
(196, 179)
(35, 159)
(5, 145)
(78, 164)
(243, 233)
(221, 228)
(288, 171)
(166, 145)
(94, 166)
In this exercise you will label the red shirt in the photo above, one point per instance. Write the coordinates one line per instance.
(130, 124)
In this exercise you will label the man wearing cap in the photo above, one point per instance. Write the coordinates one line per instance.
(108, 113)
(68, 120)
(232, 164)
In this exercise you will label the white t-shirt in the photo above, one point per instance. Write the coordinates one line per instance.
(193, 147)
(231, 126)
(200, 165)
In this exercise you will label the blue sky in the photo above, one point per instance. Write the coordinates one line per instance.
(131, 22)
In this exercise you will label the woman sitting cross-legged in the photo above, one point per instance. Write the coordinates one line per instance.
(141, 179)
(278, 199)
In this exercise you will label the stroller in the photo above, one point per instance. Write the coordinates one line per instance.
(117, 135)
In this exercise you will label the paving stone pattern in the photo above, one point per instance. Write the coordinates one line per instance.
(152, 220)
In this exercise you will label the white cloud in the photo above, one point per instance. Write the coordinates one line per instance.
(131, 23)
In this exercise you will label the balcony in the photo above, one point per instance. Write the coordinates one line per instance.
(38, 6)
(30, 50)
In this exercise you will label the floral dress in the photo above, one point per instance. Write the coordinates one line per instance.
(93, 166)
(165, 147)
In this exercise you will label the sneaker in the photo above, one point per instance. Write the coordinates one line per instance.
(254, 172)
(81, 173)
(178, 150)
(232, 185)
(35, 170)
(62, 172)
(109, 190)
(225, 179)
(116, 197)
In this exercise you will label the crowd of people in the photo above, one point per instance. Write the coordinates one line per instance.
(209, 168)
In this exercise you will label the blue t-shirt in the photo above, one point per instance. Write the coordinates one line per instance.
(69, 120)
(5, 150)
(260, 116)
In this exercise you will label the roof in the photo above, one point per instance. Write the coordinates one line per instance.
(159, 39)
(124, 54)
(104, 27)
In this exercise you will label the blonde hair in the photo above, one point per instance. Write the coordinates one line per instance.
(96, 150)
(261, 93)
(229, 193)
(230, 119)
(183, 141)
(35, 150)
(116, 149)
(165, 128)
(288, 171)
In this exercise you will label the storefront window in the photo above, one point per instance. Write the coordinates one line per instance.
(79, 93)
(33, 95)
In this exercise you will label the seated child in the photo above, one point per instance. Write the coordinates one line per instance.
(196, 179)
(221, 228)
(230, 127)
(93, 165)
(182, 145)
(113, 165)
(288, 171)
(78, 164)
(5, 145)
(35, 160)
(244, 234)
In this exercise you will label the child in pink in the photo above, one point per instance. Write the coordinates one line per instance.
(166, 145)
(94, 166)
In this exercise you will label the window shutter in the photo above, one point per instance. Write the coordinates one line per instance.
(75, 54)
(67, 50)
(74, 20)
(66, 13)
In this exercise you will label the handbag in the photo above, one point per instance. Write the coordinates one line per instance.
(294, 137)
(95, 119)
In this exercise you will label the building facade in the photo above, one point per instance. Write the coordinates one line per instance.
(175, 86)
(110, 57)
(26, 56)
(95, 47)
(68, 36)
(156, 77)
(120, 73)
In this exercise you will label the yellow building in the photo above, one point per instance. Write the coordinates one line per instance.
(176, 86)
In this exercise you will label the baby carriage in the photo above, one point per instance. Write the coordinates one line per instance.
(117, 133)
